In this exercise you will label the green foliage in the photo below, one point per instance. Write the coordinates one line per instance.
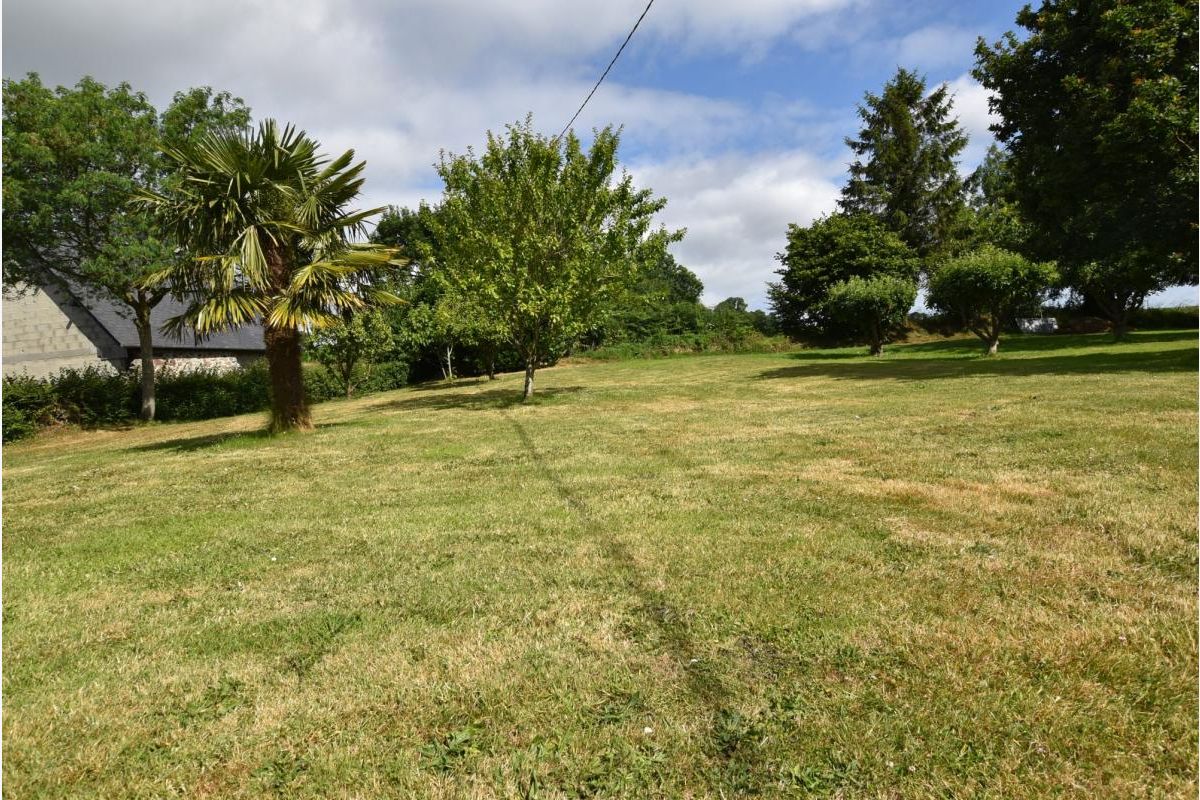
(97, 397)
(410, 232)
(874, 307)
(993, 216)
(1179, 318)
(207, 393)
(90, 397)
(664, 301)
(1098, 107)
(267, 217)
(747, 341)
(831, 250)
(904, 172)
(988, 287)
(542, 238)
(350, 347)
(72, 160)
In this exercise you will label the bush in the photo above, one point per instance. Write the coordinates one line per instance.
(322, 384)
(385, 377)
(713, 342)
(988, 288)
(877, 307)
(95, 397)
(90, 397)
(29, 404)
(1149, 319)
(208, 393)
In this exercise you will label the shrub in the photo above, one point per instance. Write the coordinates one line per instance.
(987, 288)
(875, 307)
(94, 396)
(206, 393)
(750, 341)
(1185, 317)
(91, 396)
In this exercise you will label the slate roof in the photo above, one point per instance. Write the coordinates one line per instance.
(120, 326)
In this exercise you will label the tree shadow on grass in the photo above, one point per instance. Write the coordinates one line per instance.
(1031, 343)
(908, 368)
(490, 399)
(232, 440)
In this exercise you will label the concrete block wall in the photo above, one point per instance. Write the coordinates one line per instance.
(43, 335)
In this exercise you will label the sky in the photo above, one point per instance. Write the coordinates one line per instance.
(735, 112)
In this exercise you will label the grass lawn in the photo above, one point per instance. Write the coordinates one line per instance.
(808, 574)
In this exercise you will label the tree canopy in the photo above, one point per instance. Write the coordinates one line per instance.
(904, 172)
(1098, 107)
(73, 158)
(874, 307)
(543, 236)
(831, 250)
(987, 288)
(267, 217)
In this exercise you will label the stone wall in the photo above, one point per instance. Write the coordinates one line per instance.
(191, 360)
(42, 336)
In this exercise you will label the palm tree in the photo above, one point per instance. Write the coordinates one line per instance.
(268, 219)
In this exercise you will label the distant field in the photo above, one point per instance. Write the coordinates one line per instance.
(805, 574)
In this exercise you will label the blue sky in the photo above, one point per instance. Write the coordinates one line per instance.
(735, 111)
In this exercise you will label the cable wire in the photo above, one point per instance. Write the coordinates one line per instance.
(606, 71)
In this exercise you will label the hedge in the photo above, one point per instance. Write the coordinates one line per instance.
(98, 396)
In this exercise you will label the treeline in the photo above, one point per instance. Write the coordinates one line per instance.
(441, 335)
(1090, 200)
(539, 247)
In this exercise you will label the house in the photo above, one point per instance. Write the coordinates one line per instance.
(51, 328)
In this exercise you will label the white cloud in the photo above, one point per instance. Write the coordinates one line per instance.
(399, 82)
(934, 46)
(971, 107)
(737, 208)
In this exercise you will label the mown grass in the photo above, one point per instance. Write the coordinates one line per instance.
(809, 574)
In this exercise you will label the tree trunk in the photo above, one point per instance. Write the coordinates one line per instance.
(449, 362)
(145, 333)
(529, 368)
(289, 407)
(993, 344)
(1120, 325)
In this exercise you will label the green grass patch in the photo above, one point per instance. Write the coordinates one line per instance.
(812, 573)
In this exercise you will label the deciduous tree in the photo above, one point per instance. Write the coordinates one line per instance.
(874, 307)
(1098, 106)
(543, 236)
(73, 158)
(831, 250)
(988, 288)
(350, 347)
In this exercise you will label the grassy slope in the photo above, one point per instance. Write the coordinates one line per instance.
(925, 575)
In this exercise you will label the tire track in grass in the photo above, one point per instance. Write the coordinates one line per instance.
(702, 680)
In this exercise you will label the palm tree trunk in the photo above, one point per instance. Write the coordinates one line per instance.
(289, 407)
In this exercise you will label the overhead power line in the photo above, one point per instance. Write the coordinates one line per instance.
(606, 70)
